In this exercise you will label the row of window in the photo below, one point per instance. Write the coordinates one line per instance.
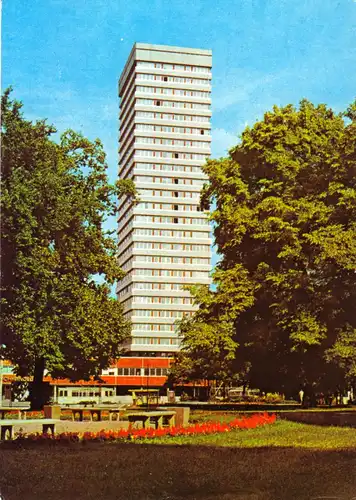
(169, 272)
(171, 91)
(89, 393)
(168, 168)
(169, 180)
(167, 193)
(173, 142)
(173, 67)
(154, 327)
(167, 154)
(159, 273)
(205, 233)
(142, 192)
(139, 372)
(158, 259)
(155, 341)
(137, 166)
(171, 116)
(171, 260)
(162, 154)
(169, 233)
(186, 247)
(168, 206)
(170, 287)
(147, 219)
(172, 130)
(172, 104)
(175, 79)
(152, 313)
(173, 287)
(150, 245)
(141, 299)
(146, 245)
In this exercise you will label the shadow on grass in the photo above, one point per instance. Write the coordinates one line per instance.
(159, 472)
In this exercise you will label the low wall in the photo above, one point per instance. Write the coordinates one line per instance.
(34, 426)
(241, 407)
(328, 417)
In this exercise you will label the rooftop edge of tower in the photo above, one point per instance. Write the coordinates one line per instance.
(164, 53)
(169, 48)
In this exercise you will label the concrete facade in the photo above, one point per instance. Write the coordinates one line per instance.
(164, 239)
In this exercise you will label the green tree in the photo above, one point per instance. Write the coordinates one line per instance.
(207, 352)
(57, 316)
(283, 207)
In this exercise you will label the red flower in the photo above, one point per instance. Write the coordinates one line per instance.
(132, 434)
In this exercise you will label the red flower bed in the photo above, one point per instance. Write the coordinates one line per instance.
(34, 414)
(133, 434)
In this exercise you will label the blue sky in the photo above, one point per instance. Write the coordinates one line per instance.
(64, 57)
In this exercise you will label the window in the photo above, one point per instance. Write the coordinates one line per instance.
(176, 181)
(176, 194)
(157, 103)
(165, 79)
(202, 132)
(175, 207)
(175, 220)
(176, 156)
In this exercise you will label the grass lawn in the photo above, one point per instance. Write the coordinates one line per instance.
(283, 461)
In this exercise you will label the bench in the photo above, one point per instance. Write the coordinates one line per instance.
(93, 411)
(7, 427)
(157, 417)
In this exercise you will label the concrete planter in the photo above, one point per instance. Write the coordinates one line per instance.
(182, 415)
(52, 411)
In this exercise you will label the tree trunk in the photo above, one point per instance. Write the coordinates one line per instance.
(39, 394)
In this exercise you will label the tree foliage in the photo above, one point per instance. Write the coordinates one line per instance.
(207, 353)
(55, 200)
(284, 214)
